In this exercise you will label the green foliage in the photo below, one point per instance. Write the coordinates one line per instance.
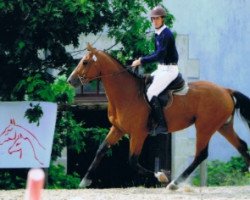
(63, 92)
(68, 131)
(10, 181)
(58, 180)
(73, 134)
(36, 88)
(233, 172)
(96, 134)
(34, 113)
(34, 34)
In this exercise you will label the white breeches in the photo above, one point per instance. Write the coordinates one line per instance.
(163, 76)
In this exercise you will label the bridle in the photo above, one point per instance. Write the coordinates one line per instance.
(84, 79)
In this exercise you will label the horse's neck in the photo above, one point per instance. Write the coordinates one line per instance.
(118, 83)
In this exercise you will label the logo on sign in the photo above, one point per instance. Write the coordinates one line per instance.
(21, 140)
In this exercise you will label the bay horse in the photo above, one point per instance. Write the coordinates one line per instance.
(208, 106)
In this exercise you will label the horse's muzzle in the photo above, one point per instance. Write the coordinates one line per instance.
(75, 82)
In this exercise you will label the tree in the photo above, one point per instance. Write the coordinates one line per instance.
(33, 36)
(31, 28)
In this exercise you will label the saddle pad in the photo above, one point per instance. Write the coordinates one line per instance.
(182, 91)
(166, 98)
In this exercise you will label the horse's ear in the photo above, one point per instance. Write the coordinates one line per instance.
(90, 48)
(12, 121)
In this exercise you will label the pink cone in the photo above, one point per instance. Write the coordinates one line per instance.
(35, 184)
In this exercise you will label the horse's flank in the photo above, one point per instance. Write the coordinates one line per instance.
(200, 102)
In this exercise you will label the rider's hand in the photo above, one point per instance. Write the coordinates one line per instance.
(136, 63)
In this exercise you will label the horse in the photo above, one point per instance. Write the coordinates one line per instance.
(208, 106)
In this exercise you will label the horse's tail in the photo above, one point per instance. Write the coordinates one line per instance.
(243, 105)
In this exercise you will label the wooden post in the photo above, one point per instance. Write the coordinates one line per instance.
(203, 173)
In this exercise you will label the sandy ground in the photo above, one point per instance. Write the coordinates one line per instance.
(139, 193)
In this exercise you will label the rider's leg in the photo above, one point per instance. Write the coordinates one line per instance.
(162, 78)
(158, 115)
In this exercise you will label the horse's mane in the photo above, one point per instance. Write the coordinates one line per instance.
(129, 69)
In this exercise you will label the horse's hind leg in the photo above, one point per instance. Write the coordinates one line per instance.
(228, 132)
(136, 144)
(200, 155)
(112, 138)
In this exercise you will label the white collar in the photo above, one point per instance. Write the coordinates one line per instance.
(158, 31)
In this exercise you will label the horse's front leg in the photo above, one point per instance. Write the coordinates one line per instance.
(136, 144)
(112, 138)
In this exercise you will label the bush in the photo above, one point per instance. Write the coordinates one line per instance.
(58, 180)
(68, 133)
(233, 172)
(11, 179)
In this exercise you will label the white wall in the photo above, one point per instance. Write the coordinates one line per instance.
(219, 37)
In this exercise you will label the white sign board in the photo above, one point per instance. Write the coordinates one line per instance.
(24, 144)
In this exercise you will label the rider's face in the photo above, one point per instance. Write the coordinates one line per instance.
(157, 21)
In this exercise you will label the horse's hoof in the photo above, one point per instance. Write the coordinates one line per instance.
(172, 186)
(161, 177)
(85, 183)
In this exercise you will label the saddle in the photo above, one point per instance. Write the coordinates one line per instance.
(175, 86)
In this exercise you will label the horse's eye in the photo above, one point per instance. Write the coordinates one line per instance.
(85, 62)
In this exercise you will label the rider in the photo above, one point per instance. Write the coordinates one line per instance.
(166, 56)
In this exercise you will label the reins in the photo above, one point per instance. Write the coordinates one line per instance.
(127, 68)
(84, 80)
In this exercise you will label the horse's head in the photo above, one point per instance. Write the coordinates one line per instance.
(9, 132)
(87, 68)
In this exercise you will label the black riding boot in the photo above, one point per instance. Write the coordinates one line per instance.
(158, 115)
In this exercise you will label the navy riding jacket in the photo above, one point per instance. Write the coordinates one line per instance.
(165, 49)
